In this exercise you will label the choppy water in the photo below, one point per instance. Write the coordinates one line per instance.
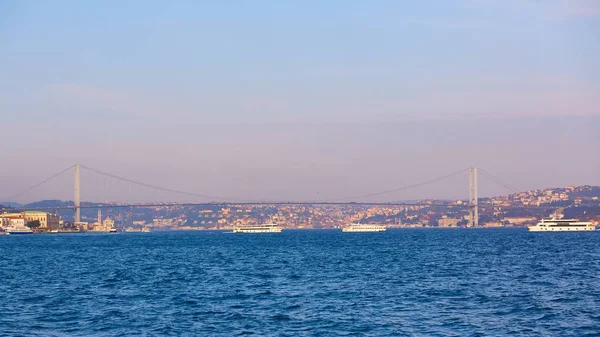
(313, 283)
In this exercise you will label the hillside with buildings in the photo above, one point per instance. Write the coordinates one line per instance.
(519, 209)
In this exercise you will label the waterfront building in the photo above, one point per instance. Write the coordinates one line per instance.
(17, 223)
(97, 227)
(6, 217)
(4, 222)
(102, 226)
(519, 220)
(493, 224)
(448, 222)
(82, 226)
(11, 220)
(108, 223)
(47, 220)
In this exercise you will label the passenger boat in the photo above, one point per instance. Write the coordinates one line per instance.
(357, 227)
(561, 225)
(258, 228)
(112, 230)
(18, 230)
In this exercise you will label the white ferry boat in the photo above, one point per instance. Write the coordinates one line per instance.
(260, 228)
(357, 227)
(14, 230)
(561, 225)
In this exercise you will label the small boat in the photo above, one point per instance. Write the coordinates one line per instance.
(357, 227)
(112, 230)
(258, 228)
(4, 233)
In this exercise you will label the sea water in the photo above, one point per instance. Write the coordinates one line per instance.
(429, 282)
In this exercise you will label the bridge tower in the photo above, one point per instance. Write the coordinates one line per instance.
(76, 198)
(473, 198)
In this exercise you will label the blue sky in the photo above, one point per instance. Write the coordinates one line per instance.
(284, 100)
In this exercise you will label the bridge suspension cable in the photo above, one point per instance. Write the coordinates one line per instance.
(400, 188)
(498, 181)
(160, 188)
(40, 183)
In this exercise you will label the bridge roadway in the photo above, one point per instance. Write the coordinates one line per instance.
(266, 203)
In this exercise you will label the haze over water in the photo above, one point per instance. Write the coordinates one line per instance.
(495, 282)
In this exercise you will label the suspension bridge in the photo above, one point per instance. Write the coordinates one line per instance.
(472, 203)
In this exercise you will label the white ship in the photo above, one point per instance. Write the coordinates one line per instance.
(260, 228)
(357, 227)
(561, 225)
(18, 229)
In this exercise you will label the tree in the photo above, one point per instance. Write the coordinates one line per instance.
(33, 224)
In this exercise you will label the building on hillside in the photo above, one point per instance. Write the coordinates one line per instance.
(163, 222)
(47, 220)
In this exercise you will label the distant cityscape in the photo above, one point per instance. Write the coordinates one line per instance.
(514, 210)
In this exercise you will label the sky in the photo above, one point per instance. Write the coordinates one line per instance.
(304, 100)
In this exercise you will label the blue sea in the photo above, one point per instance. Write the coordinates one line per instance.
(429, 282)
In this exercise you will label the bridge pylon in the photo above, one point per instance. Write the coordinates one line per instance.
(76, 197)
(473, 198)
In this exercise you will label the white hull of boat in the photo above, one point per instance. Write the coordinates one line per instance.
(561, 229)
(244, 230)
(347, 230)
(362, 228)
(19, 230)
(265, 228)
